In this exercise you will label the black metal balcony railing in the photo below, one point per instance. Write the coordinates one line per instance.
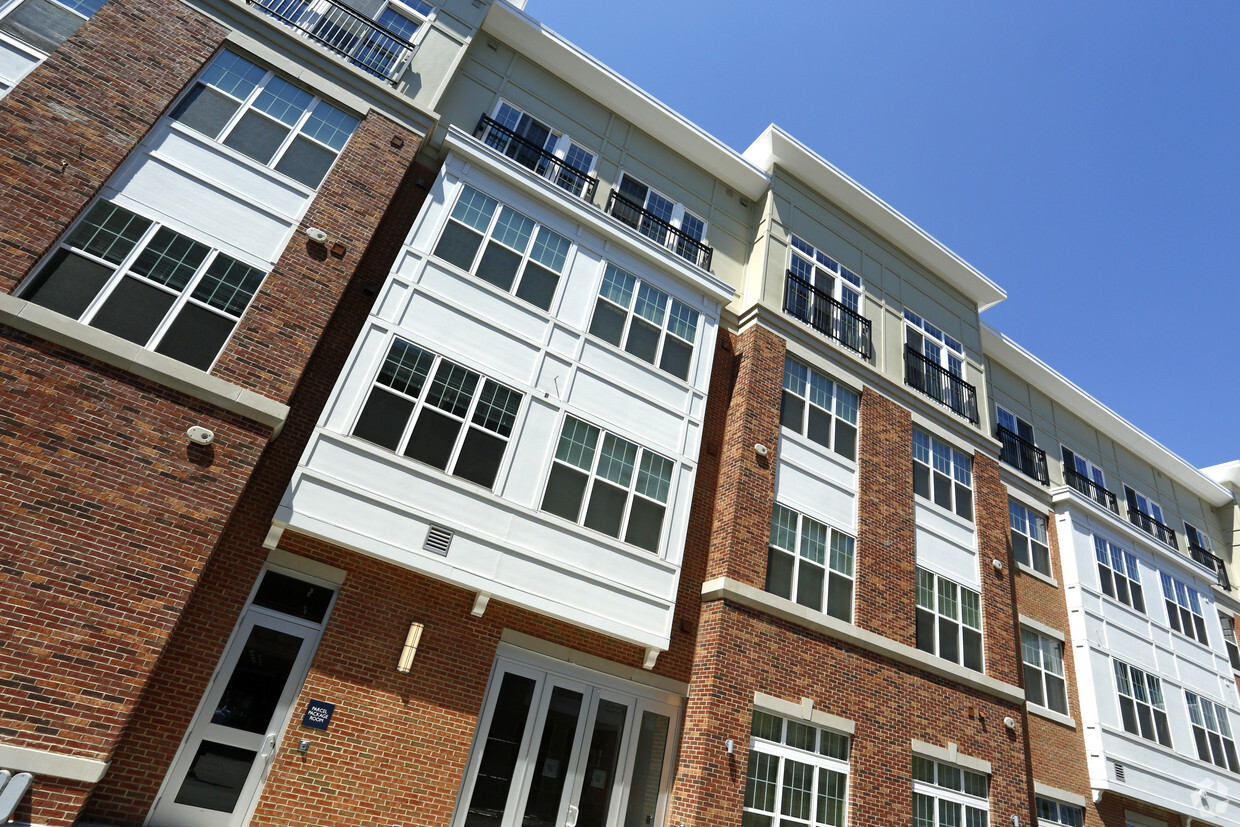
(829, 317)
(360, 40)
(939, 384)
(658, 230)
(1091, 489)
(1149, 525)
(1212, 562)
(529, 154)
(1023, 455)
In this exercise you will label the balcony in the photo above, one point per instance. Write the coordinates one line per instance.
(939, 384)
(1023, 455)
(1212, 562)
(826, 315)
(530, 155)
(659, 231)
(1149, 525)
(1091, 489)
(358, 39)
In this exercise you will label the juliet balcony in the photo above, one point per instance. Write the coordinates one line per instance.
(829, 317)
(1092, 490)
(1149, 525)
(1211, 562)
(658, 230)
(538, 160)
(1023, 455)
(941, 385)
(368, 45)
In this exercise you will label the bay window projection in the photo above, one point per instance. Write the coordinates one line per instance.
(1118, 574)
(1212, 732)
(1141, 707)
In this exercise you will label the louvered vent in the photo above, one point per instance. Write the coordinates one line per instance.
(1119, 772)
(438, 539)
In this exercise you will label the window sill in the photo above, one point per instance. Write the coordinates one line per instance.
(1050, 715)
(120, 353)
(1032, 572)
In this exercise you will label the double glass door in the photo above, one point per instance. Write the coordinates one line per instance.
(553, 751)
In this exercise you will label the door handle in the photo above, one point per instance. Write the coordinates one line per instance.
(269, 746)
(571, 821)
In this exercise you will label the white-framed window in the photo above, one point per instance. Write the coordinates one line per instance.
(379, 49)
(1229, 638)
(1030, 546)
(529, 142)
(1183, 605)
(942, 475)
(1019, 449)
(1013, 423)
(1147, 515)
(266, 118)
(1051, 813)
(440, 413)
(949, 620)
(825, 274)
(39, 26)
(1080, 473)
(1044, 675)
(609, 484)
(1212, 732)
(798, 774)
(641, 319)
(1198, 539)
(504, 248)
(1141, 708)
(819, 409)
(667, 215)
(811, 563)
(931, 342)
(145, 282)
(1118, 574)
(945, 795)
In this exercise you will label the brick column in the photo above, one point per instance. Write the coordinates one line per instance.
(1002, 632)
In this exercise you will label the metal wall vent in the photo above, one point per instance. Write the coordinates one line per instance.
(1119, 772)
(438, 539)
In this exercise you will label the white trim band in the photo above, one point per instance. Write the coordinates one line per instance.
(55, 764)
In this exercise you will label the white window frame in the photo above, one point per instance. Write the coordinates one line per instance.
(1183, 605)
(1029, 531)
(939, 348)
(1121, 569)
(822, 757)
(1087, 469)
(942, 481)
(942, 793)
(1052, 813)
(559, 144)
(650, 308)
(37, 53)
(796, 535)
(820, 396)
(420, 403)
(1018, 426)
(1207, 719)
(1196, 538)
(1144, 693)
(679, 215)
(943, 600)
(1042, 657)
(808, 262)
(1147, 506)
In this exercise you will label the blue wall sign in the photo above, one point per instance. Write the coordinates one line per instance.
(318, 715)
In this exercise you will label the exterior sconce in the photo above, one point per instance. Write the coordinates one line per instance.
(410, 649)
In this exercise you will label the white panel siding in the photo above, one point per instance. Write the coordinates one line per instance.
(946, 547)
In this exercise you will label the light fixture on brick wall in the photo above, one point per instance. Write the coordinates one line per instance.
(410, 649)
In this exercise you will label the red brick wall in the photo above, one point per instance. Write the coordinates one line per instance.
(68, 125)
(1001, 633)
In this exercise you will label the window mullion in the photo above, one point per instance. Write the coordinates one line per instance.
(467, 418)
(119, 271)
(182, 299)
(293, 132)
(418, 404)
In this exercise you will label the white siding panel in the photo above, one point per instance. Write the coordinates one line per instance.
(607, 402)
(646, 380)
(455, 331)
(945, 547)
(817, 488)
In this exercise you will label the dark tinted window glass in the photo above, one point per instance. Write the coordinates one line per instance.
(608, 322)
(779, 573)
(645, 524)
(458, 245)
(291, 596)
(499, 755)
(68, 283)
(643, 340)
(216, 776)
(257, 136)
(565, 489)
(41, 24)
(480, 457)
(306, 161)
(433, 438)
(537, 285)
(499, 266)
(196, 336)
(134, 310)
(205, 110)
(676, 357)
(606, 508)
(383, 419)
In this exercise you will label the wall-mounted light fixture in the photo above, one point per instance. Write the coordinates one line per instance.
(760, 449)
(410, 650)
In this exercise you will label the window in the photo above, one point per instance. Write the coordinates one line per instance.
(1212, 732)
(1229, 637)
(520, 256)
(934, 365)
(623, 486)
(660, 219)
(826, 294)
(798, 774)
(1183, 609)
(949, 620)
(43, 24)
(379, 49)
(1029, 543)
(825, 274)
(1198, 539)
(1117, 574)
(1019, 450)
(819, 409)
(1087, 478)
(1147, 515)
(945, 795)
(142, 281)
(645, 321)
(435, 411)
(1056, 812)
(533, 144)
(932, 343)
(810, 560)
(1141, 704)
(942, 475)
(1044, 678)
(266, 118)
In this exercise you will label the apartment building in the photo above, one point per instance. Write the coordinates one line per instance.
(416, 423)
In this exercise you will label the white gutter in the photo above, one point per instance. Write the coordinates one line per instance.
(1226, 474)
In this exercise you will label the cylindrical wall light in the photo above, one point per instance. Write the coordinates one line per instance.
(410, 650)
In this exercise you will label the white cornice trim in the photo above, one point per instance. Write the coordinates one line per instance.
(39, 762)
(776, 148)
(725, 588)
(1063, 390)
(561, 58)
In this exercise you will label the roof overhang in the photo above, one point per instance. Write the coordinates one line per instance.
(1226, 474)
(561, 58)
(776, 148)
(1062, 390)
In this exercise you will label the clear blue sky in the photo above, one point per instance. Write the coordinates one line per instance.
(1084, 156)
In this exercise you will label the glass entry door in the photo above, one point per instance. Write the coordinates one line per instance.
(557, 752)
